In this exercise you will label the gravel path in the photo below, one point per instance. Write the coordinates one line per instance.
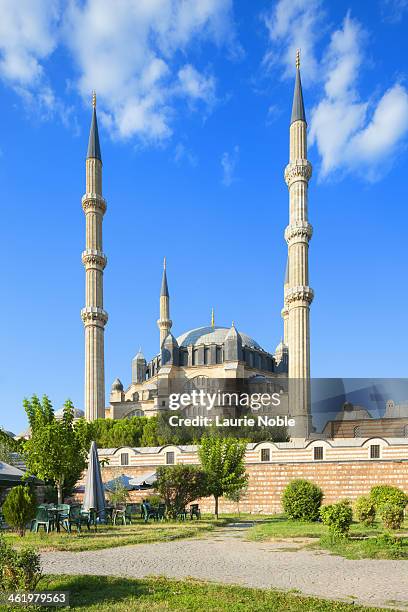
(224, 556)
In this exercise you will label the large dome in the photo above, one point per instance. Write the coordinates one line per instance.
(212, 335)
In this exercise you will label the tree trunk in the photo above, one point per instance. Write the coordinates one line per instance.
(216, 506)
(59, 492)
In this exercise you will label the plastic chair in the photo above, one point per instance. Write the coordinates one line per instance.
(195, 511)
(42, 518)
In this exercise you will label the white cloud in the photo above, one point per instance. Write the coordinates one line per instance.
(130, 53)
(292, 25)
(196, 85)
(229, 163)
(181, 153)
(352, 133)
(28, 37)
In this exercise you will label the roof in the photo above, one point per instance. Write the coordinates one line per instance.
(298, 108)
(94, 149)
(9, 473)
(213, 335)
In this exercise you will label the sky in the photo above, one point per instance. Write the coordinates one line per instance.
(194, 102)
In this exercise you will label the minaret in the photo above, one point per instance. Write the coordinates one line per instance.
(298, 294)
(164, 323)
(94, 260)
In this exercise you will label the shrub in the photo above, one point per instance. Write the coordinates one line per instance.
(392, 516)
(180, 485)
(365, 510)
(301, 500)
(20, 570)
(338, 517)
(386, 494)
(119, 493)
(154, 500)
(19, 508)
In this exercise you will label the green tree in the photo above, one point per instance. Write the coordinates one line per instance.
(223, 462)
(56, 451)
(19, 507)
(179, 485)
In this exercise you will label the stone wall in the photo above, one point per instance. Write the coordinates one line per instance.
(267, 481)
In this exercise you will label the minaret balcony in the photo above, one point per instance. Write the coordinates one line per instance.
(300, 170)
(302, 293)
(93, 258)
(92, 315)
(93, 202)
(300, 231)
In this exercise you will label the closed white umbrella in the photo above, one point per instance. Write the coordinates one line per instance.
(94, 496)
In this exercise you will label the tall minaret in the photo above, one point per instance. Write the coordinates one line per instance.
(164, 323)
(94, 260)
(298, 294)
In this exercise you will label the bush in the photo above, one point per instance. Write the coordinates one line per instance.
(392, 516)
(338, 517)
(119, 493)
(386, 494)
(301, 500)
(154, 500)
(20, 570)
(19, 508)
(365, 510)
(180, 485)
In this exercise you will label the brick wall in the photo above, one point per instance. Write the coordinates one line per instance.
(267, 481)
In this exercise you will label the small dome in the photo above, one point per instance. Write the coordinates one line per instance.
(281, 348)
(78, 414)
(139, 356)
(352, 412)
(117, 385)
(212, 335)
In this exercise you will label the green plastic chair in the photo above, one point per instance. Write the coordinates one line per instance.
(42, 518)
(148, 512)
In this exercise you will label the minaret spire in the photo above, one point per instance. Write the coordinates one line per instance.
(212, 318)
(298, 107)
(298, 293)
(93, 315)
(164, 323)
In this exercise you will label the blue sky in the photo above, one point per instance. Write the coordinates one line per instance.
(194, 102)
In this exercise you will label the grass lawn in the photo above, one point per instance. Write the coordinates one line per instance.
(108, 536)
(106, 594)
(364, 542)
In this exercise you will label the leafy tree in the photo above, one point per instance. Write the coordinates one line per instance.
(180, 485)
(237, 495)
(56, 451)
(19, 507)
(223, 462)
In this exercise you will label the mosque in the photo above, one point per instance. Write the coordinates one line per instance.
(209, 353)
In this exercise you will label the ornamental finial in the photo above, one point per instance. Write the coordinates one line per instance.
(164, 263)
(93, 98)
(212, 317)
(298, 59)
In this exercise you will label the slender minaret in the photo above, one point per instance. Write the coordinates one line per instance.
(298, 294)
(164, 323)
(94, 260)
